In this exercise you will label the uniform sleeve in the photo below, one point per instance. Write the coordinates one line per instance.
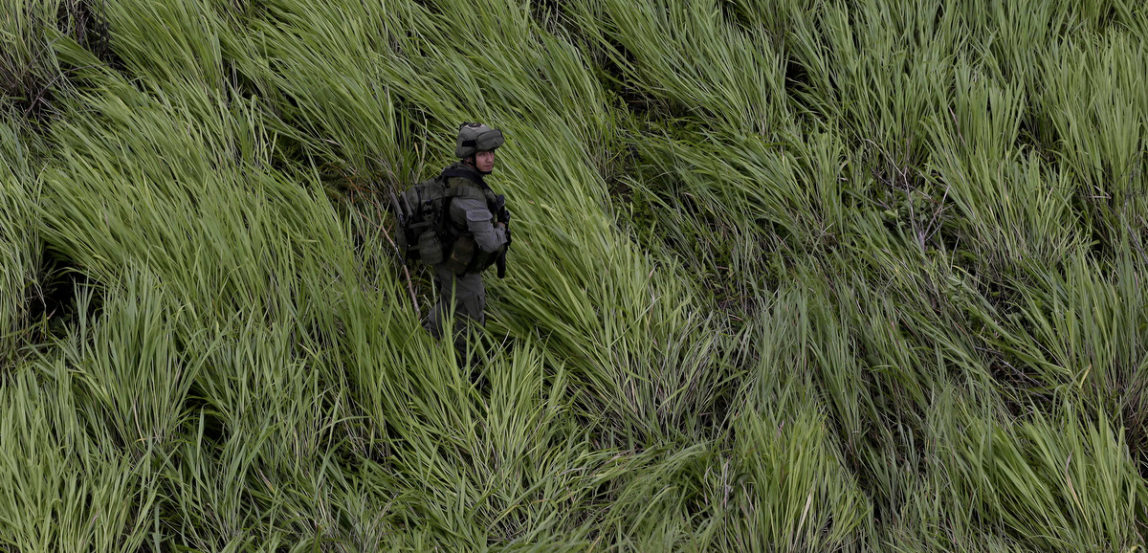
(480, 223)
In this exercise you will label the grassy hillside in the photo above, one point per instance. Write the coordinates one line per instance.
(787, 275)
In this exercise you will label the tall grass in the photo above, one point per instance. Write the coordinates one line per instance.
(59, 472)
(29, 72)
(1102, 138)
(1054, 484)
(19, 244)
(689, 56)
(787, 276)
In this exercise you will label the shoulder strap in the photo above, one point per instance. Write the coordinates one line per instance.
(470, 175)
(471, 185)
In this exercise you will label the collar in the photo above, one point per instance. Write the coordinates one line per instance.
(467, 172)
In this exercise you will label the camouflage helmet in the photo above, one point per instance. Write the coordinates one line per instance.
(476, 137)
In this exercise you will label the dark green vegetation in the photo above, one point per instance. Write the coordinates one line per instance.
(788, 275)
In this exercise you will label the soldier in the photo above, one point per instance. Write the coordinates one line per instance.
(481, 237)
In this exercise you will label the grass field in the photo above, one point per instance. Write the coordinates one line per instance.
(787, 275)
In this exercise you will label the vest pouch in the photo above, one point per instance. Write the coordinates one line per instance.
(461, 255)
(430, 248)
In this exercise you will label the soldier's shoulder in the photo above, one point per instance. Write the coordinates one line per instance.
(464, 187)
(468, 203)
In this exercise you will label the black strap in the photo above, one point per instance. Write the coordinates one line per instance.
(466, 173)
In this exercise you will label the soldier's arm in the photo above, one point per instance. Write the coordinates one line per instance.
(480, 222)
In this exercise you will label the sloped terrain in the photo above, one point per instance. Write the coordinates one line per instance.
(787, 275)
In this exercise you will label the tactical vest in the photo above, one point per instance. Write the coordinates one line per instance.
(465, 256)
(428, 232)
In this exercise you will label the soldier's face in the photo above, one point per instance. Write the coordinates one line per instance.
(484, 161)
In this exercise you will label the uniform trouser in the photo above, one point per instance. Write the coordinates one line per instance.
(466, 294)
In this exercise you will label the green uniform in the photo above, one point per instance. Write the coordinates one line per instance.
(479, 244)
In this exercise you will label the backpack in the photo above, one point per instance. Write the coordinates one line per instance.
(425, 230)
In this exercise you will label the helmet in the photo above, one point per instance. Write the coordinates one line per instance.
(476, 137)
